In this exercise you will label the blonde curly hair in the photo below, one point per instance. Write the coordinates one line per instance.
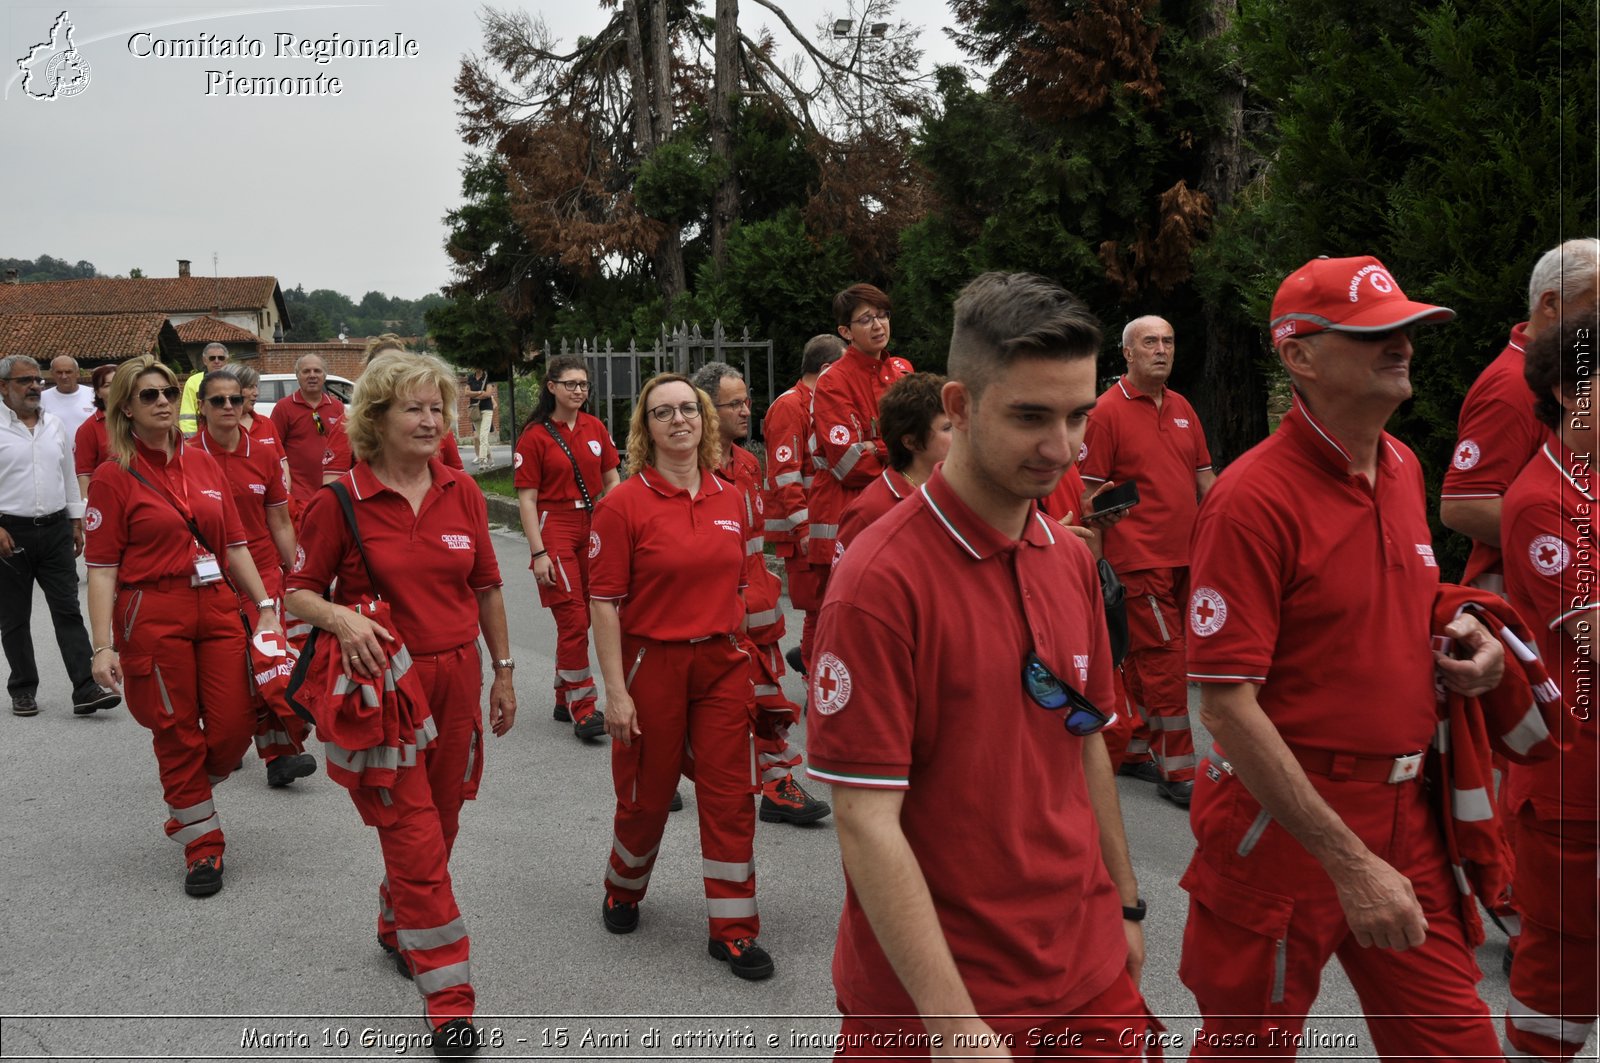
(642, 448)
(389, 377)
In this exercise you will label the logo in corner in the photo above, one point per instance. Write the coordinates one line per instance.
(54, 69)
(1467, 455)
(594, 545)
(92, 519)
(830, 685)
(1549, 554)
(1207, 611)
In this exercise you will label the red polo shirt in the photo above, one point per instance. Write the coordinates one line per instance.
(785, 430)
(429, 564)
(263, 430)
(881, 495)
(1320, 587)
(1497, 437)
(540, 463)
(1547, 528)
(1066, 500)
(673, 563)
(139, 531)
(256, 479)
(917, 685)
(307, 444)
(91, 445)
(450, 452)
(1159, 448)
(846, 447)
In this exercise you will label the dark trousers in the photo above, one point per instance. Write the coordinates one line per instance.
(45, 558)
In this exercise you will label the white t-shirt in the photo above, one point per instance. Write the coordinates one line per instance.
(73, 409)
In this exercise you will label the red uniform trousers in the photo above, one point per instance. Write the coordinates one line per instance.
(417, 910)
(565, 533)
(693, 701)
(185, 667)
(1264, 919)
(276, 736)
(807, 582)
(774, 713)
(1151, 681)
(1554, 991)
(1114, 1025)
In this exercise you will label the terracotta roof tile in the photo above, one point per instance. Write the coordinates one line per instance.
(87, 337)
(210, 330)
(112, 295)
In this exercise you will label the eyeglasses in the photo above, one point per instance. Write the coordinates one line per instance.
(217, 402)
(1050, 691)
(734, 405)
(866, 320)
(148, 396)
(26, 381)
(316, 418)
(689, 411)
(574, 385)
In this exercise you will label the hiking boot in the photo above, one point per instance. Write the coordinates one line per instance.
(744, 957)
(281, 771)
(1143, 770)
(561, 715)
(620, 917)
(399, 960)
(93, 698)
(456, 1039)
(204, 877)
(784, 801)
(591, 726)
(1179, 793)
(24, 705)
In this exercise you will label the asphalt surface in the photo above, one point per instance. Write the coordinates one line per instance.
(102, 956)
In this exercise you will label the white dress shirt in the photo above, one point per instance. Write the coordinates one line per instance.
(37, 476)
(73, 409)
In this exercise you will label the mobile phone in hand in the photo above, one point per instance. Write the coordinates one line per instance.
(1123, 496)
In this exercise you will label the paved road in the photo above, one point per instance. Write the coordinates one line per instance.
(102, 956)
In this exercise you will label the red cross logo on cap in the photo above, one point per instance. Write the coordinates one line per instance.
(830, 687)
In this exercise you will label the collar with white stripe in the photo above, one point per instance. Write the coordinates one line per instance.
(1563, 465)
(1316, 438)
(972, 533)
(364, 483)
(242, 448)
(710, 483)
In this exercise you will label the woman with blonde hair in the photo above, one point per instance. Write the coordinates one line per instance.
(449, 452)
(668, 551)
(168, 558)
(414, 579)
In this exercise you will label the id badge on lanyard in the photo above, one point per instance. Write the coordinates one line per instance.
(206, 569)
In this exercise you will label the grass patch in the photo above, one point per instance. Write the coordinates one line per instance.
(498, 482)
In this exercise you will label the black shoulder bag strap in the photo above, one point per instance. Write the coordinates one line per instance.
(297, 677)
(588, 503)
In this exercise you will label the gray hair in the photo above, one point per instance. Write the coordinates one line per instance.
(1569, 269)
(1127, 330)
(820, 351)
(246, 375)
(223, 347)
(10, 362)
(709, 377)
(68, 357)
(298, 362)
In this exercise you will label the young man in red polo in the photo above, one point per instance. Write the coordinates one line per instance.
(1311, 620)
(962, 650)
(1145, 432)
(846, 446)
(786, 431)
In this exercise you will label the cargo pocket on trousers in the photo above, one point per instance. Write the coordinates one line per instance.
(146, 696)
(1235, 947)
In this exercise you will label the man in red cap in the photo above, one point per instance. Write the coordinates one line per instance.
(1311, 616)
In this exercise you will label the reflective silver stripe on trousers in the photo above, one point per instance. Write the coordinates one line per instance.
(1463, 884)
(627, 883)
(442, 978)
(1169, 723)
(1529, 731)
(627, 857)
(1138, 745)
(764, 618)
(1280, 970)
(1527, 1020)
(196, 830)
(1172, 764)
(433, 937)
(727, 872)
(851, 457)
(272, 738)
(766, 690)
(166, 699)
(1441, 736)
(194, 813)
(383, 900)
(731, 908)
(824, 531)
(574, 675)
(1471, 806)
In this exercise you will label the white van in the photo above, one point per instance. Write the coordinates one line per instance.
(275, 387)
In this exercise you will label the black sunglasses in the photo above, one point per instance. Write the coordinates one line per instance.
(148, 396)
(1050, 691)
(26, 381)
(219, 401)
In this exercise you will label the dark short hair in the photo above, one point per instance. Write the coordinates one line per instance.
(820, 351)
(845, 303)
(1561, 358)
(908, 408)
(1000, 317)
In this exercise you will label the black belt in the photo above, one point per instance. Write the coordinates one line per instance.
(8, 521)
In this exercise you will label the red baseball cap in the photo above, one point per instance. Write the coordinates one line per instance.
(1345, 295)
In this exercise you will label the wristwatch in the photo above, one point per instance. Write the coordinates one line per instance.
(267, 603)
(507, 663)
(1136, 913)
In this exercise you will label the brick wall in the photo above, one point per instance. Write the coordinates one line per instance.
(344, 359)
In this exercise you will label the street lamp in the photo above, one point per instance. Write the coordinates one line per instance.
(845, 28)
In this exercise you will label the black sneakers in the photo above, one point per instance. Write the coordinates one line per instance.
(281, 771)
(591, 726)
(677, 802)
(204, 877)
(24, 705)
(744, 957)
(620, 917)
(786, 802)
(1179, 793)
(561, 715)
(456, 1039)
(93, 699)
(1143, 770)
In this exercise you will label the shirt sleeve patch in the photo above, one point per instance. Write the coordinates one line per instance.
(830, 685)
(1208, 611)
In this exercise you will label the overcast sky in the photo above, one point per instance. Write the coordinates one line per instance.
(143, 167)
